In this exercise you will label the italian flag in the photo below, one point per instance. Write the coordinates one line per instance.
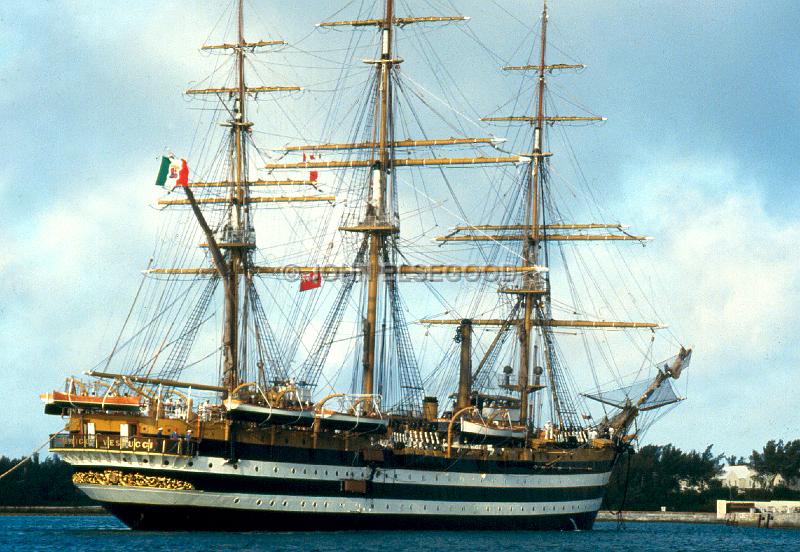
(173, 172)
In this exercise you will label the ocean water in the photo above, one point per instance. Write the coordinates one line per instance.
(88, 533)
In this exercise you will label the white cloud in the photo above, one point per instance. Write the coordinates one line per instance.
(731, 288)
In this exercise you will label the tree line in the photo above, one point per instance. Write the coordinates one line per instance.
(39, 482)
(652, 477)
(664, 475)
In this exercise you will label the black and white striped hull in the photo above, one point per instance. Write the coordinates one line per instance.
(280, 495)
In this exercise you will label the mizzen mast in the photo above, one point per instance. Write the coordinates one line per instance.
(237, 236)
(239, 125)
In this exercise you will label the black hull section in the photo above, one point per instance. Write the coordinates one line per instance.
(179, 518)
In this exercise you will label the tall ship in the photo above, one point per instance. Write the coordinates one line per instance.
(320, 341)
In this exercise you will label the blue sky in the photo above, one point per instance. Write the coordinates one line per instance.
(700, 150)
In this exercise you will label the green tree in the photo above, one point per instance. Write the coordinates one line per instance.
(39, 483)
(777, 458)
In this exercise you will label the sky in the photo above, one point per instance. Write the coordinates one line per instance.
(700, 151)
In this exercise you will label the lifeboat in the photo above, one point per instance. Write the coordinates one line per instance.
(358, 423)
(491, 433)
(241, 410)
(57, 401)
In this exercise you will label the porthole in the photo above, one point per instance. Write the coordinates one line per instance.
(337, 473)
(145, 461)
(236, 501)
(293, 470)
(258, 502)
(314, 504)
(166, 462)
(190, 464)
(275, 469)
(387, 506)
(272, 503)
(210, 465)
(284, 503)
(236, 466)
(303, 504)
(256, 468)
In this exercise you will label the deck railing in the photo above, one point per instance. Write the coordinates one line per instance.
(117, 443)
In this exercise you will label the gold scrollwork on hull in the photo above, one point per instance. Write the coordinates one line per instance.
(116, 477)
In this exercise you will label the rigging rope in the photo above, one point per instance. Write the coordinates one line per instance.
(27, 459)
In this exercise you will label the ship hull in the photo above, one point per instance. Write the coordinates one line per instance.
(288, 488)
(148, 517)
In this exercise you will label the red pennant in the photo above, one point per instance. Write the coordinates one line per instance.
(312, 175)
(310, 280)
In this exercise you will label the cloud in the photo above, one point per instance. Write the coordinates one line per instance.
(65, 287)
(725, 258)
(731, 288)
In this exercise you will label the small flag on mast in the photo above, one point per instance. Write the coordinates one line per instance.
(310, 280)
(312, 175)
(172, 172)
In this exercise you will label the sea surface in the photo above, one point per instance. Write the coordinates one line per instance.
(88, 533)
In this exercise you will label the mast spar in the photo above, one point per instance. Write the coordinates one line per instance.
(376, 207)
(239, 125)
(530, 247)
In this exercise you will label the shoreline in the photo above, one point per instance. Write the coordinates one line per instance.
(634, 516)
(628, 516)
(661, 517)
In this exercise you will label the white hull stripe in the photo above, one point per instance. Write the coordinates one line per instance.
(331, 505)
(286, 470)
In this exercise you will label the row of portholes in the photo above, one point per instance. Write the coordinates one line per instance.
(347, 474)
(410, 506)
(305, 471)
(285, 503)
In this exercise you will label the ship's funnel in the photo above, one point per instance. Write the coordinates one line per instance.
(430, 408)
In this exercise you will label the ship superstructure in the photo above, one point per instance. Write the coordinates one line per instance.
(491, 436)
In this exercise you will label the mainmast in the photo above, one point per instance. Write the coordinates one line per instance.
(532, 282)
(376, 208)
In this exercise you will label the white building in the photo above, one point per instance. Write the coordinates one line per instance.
(744, 477)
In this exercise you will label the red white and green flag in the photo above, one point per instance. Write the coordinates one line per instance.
(173, 172)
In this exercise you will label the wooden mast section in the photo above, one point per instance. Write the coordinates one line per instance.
(530, 248)
(237, 234)
(377, 197)
(236, 195)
